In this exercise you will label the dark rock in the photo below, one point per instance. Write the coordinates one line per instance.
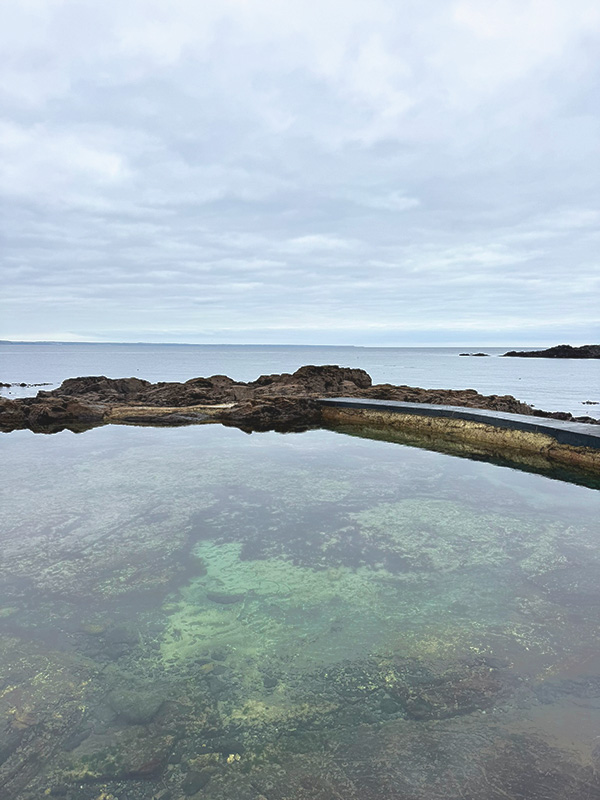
(389, 706)
(285, 403)
(194, 781)
(269, 682)
(225, 746)
(467, 398)
(136, 707)
(215, 685)
(99, 388)
(119, 640)
(474, 355)
(560, 351)
(49, 415)
(283, 414)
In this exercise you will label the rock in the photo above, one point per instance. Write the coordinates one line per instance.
(560, 351)
(130, 753)
(475, 355)
(284, 414)
(136, 707)
(284, 403)
(468, 398)
(215, 685)
(194, 781)
(119, 640)
(99, 388)
(389, 706)
(49, 415)
(225, 598)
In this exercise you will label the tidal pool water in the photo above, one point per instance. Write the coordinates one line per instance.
(196, 612)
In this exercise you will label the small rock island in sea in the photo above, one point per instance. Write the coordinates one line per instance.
(560, 351)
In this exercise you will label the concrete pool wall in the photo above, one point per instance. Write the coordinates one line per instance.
(574, 444)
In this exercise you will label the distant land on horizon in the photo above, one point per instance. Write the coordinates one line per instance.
(279, 344)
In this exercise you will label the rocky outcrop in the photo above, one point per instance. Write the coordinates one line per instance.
(50, 414)
(309, 381)
(99, 389)
(560, 351)
(283, 402)
(468, 398)
(283, 414)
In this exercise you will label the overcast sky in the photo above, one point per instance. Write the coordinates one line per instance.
(395, 172)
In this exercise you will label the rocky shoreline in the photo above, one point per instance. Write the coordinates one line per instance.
(281, 402)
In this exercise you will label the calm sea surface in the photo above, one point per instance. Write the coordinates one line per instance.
(196, 612)
(554, 385)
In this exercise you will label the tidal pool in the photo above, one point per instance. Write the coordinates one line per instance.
(196, 612)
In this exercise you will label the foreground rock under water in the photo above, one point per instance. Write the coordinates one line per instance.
(285, 402)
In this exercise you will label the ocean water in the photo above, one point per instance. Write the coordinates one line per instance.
(553, 385)
(196, 612)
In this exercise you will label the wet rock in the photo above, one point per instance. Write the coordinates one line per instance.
(78, 736)
(389, 706)
(215, 685)
(119, 640)
(10, 738)
(284, 402)
(136, 707)
(284, 414)
(130, 753)
(194, 781)
(50, 415)
(225, 746)
(225, 598)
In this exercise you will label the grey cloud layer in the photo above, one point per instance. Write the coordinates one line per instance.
(346, 172)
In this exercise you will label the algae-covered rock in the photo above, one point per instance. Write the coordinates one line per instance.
(225, 598)
(135, 706)
(129, 753)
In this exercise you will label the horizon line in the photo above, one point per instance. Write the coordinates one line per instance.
(265, 344)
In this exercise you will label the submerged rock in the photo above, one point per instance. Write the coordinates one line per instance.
(135, 706)
(225, 598)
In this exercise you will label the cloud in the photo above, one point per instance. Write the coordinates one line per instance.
(318, 166)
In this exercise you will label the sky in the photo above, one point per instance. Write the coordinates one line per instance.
(368, 172)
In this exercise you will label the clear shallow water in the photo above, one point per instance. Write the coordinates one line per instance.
(199, 612)
(554, 385)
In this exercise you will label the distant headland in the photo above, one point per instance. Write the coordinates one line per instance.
(560, 351)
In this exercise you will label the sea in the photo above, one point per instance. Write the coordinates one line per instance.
(551, 384)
